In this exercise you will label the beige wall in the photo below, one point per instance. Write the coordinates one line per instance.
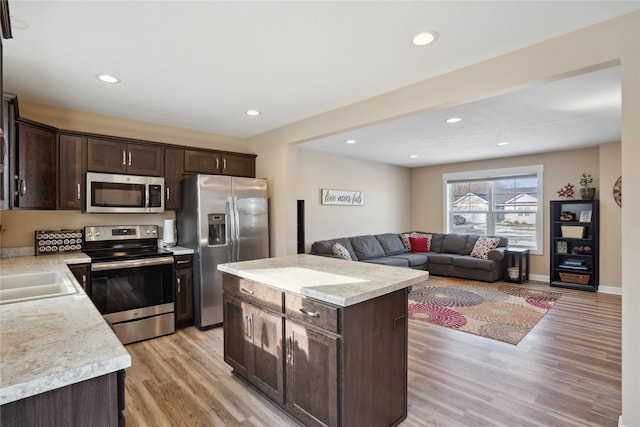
(18, 226)
(560, 168)
(386, 191)
(611, 216)
(81, 121)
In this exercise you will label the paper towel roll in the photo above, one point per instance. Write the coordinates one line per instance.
(169, 233)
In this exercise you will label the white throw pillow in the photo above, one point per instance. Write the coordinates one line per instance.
(339, 250)
(483, 246)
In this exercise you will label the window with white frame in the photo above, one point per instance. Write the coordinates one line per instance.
(503, 202)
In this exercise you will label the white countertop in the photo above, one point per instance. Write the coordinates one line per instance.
(53, 342)
(331, 280)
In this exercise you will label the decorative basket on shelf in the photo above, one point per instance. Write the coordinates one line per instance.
(572, 231)
(581, 279)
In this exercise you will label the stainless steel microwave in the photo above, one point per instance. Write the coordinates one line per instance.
(112, 193)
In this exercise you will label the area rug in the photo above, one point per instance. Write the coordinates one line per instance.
(493, 310)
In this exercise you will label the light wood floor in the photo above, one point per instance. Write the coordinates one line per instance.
(565, 372)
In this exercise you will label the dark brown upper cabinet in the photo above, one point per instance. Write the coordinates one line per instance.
(202, 161)
(114, 156)
(35, 167)
(173, 171)
(238, 165)
(71, 168)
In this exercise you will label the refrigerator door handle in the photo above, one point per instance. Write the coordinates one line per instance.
(236, 229)
(229, 230)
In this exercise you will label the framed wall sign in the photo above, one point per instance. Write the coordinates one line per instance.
(342, 197)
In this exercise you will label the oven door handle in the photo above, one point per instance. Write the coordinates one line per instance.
(147, 262)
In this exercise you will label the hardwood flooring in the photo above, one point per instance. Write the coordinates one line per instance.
(565, 372)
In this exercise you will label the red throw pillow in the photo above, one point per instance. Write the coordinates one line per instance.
(419, 244)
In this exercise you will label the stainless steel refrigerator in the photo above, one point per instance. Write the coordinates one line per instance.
(223, 219)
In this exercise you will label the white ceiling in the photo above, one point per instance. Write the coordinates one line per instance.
(201, 65)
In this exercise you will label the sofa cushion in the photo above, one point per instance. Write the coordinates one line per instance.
(390, 260)
(419, 244)
(483, 245)
(415, 260)
(436, 242)
(471, 242)
(366, 247)
(338, 250)
(441, 258)
(455, 244)
(323, 247)
(474, 263)
(391, 243)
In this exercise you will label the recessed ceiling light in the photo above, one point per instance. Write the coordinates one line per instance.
(252, 112)
(108, 78)
(424, 38)
(413, 156)
(503, 143)
(453, 120)
(350, 141)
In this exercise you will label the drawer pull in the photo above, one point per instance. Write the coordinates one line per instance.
(310, 313)
(185, 261)
(246, 291)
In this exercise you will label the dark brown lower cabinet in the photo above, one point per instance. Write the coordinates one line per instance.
(82, 273)
(343, 366)
(96, 402)
(183, 267)
(253, 346)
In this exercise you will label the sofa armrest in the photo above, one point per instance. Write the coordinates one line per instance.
(497, 254)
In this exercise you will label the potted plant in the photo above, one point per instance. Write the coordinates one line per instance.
(587, 192)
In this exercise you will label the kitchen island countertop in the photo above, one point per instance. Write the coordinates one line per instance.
(50, 343)
(331, 280)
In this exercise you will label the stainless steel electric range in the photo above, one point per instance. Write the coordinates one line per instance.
(131, 280)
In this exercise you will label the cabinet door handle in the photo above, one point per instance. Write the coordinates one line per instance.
(124, 158)
(78, 191)
(184, 261)
(251, 326)
(246, 291)
(168, 194)
(23, 187)
(309, 313)
(289, 349)
(224, 164)
(84, 282)
(129, 158)
(217, 163)
(178, 280)
(248, 326)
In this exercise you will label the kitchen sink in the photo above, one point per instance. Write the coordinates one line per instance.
(26, 287)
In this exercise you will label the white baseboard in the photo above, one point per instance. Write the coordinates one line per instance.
(613, 290)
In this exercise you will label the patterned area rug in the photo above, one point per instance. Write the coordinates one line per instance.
(493, 310)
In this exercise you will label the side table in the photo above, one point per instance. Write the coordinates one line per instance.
(517, 258)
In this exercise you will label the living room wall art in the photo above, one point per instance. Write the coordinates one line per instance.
(342, 197)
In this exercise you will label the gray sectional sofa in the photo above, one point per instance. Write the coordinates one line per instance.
(449, 255)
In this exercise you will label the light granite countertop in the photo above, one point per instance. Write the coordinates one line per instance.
(331, 280)
(50, 343)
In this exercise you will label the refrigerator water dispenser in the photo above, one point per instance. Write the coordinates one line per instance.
(217, 229)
